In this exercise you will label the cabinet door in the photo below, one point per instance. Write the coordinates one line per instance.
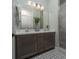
(45, 41)
(25, 45)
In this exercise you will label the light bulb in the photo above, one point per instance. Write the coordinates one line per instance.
(38, 6)
(42, 7)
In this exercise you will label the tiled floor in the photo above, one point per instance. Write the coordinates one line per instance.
(53, 54)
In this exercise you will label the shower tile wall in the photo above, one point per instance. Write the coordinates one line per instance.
(62, 25)
(62, 1)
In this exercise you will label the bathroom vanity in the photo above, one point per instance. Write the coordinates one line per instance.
(33, 43)
(32, 25)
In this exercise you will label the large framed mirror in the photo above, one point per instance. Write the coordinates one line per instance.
(31, 16)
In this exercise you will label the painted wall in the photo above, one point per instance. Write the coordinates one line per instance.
(13, 15)
(53, 18)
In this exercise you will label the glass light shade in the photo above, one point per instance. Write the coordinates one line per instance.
(38, 6)
(42, 7)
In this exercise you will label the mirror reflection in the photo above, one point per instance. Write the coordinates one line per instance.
(31, 15)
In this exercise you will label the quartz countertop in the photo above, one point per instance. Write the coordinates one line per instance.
(22, 32)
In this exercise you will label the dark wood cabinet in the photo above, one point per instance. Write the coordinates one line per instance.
(31, 44)
(45, 41)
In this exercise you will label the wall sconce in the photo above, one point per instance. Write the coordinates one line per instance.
(35, 5)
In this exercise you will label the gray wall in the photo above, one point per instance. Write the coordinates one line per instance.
(62, 26)
(13, 15)
(62, 1)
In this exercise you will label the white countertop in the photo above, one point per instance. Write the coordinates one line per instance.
(22, 32)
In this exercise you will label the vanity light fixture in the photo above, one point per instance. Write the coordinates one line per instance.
(35, 5)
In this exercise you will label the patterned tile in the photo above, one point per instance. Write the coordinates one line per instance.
(53, 54)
